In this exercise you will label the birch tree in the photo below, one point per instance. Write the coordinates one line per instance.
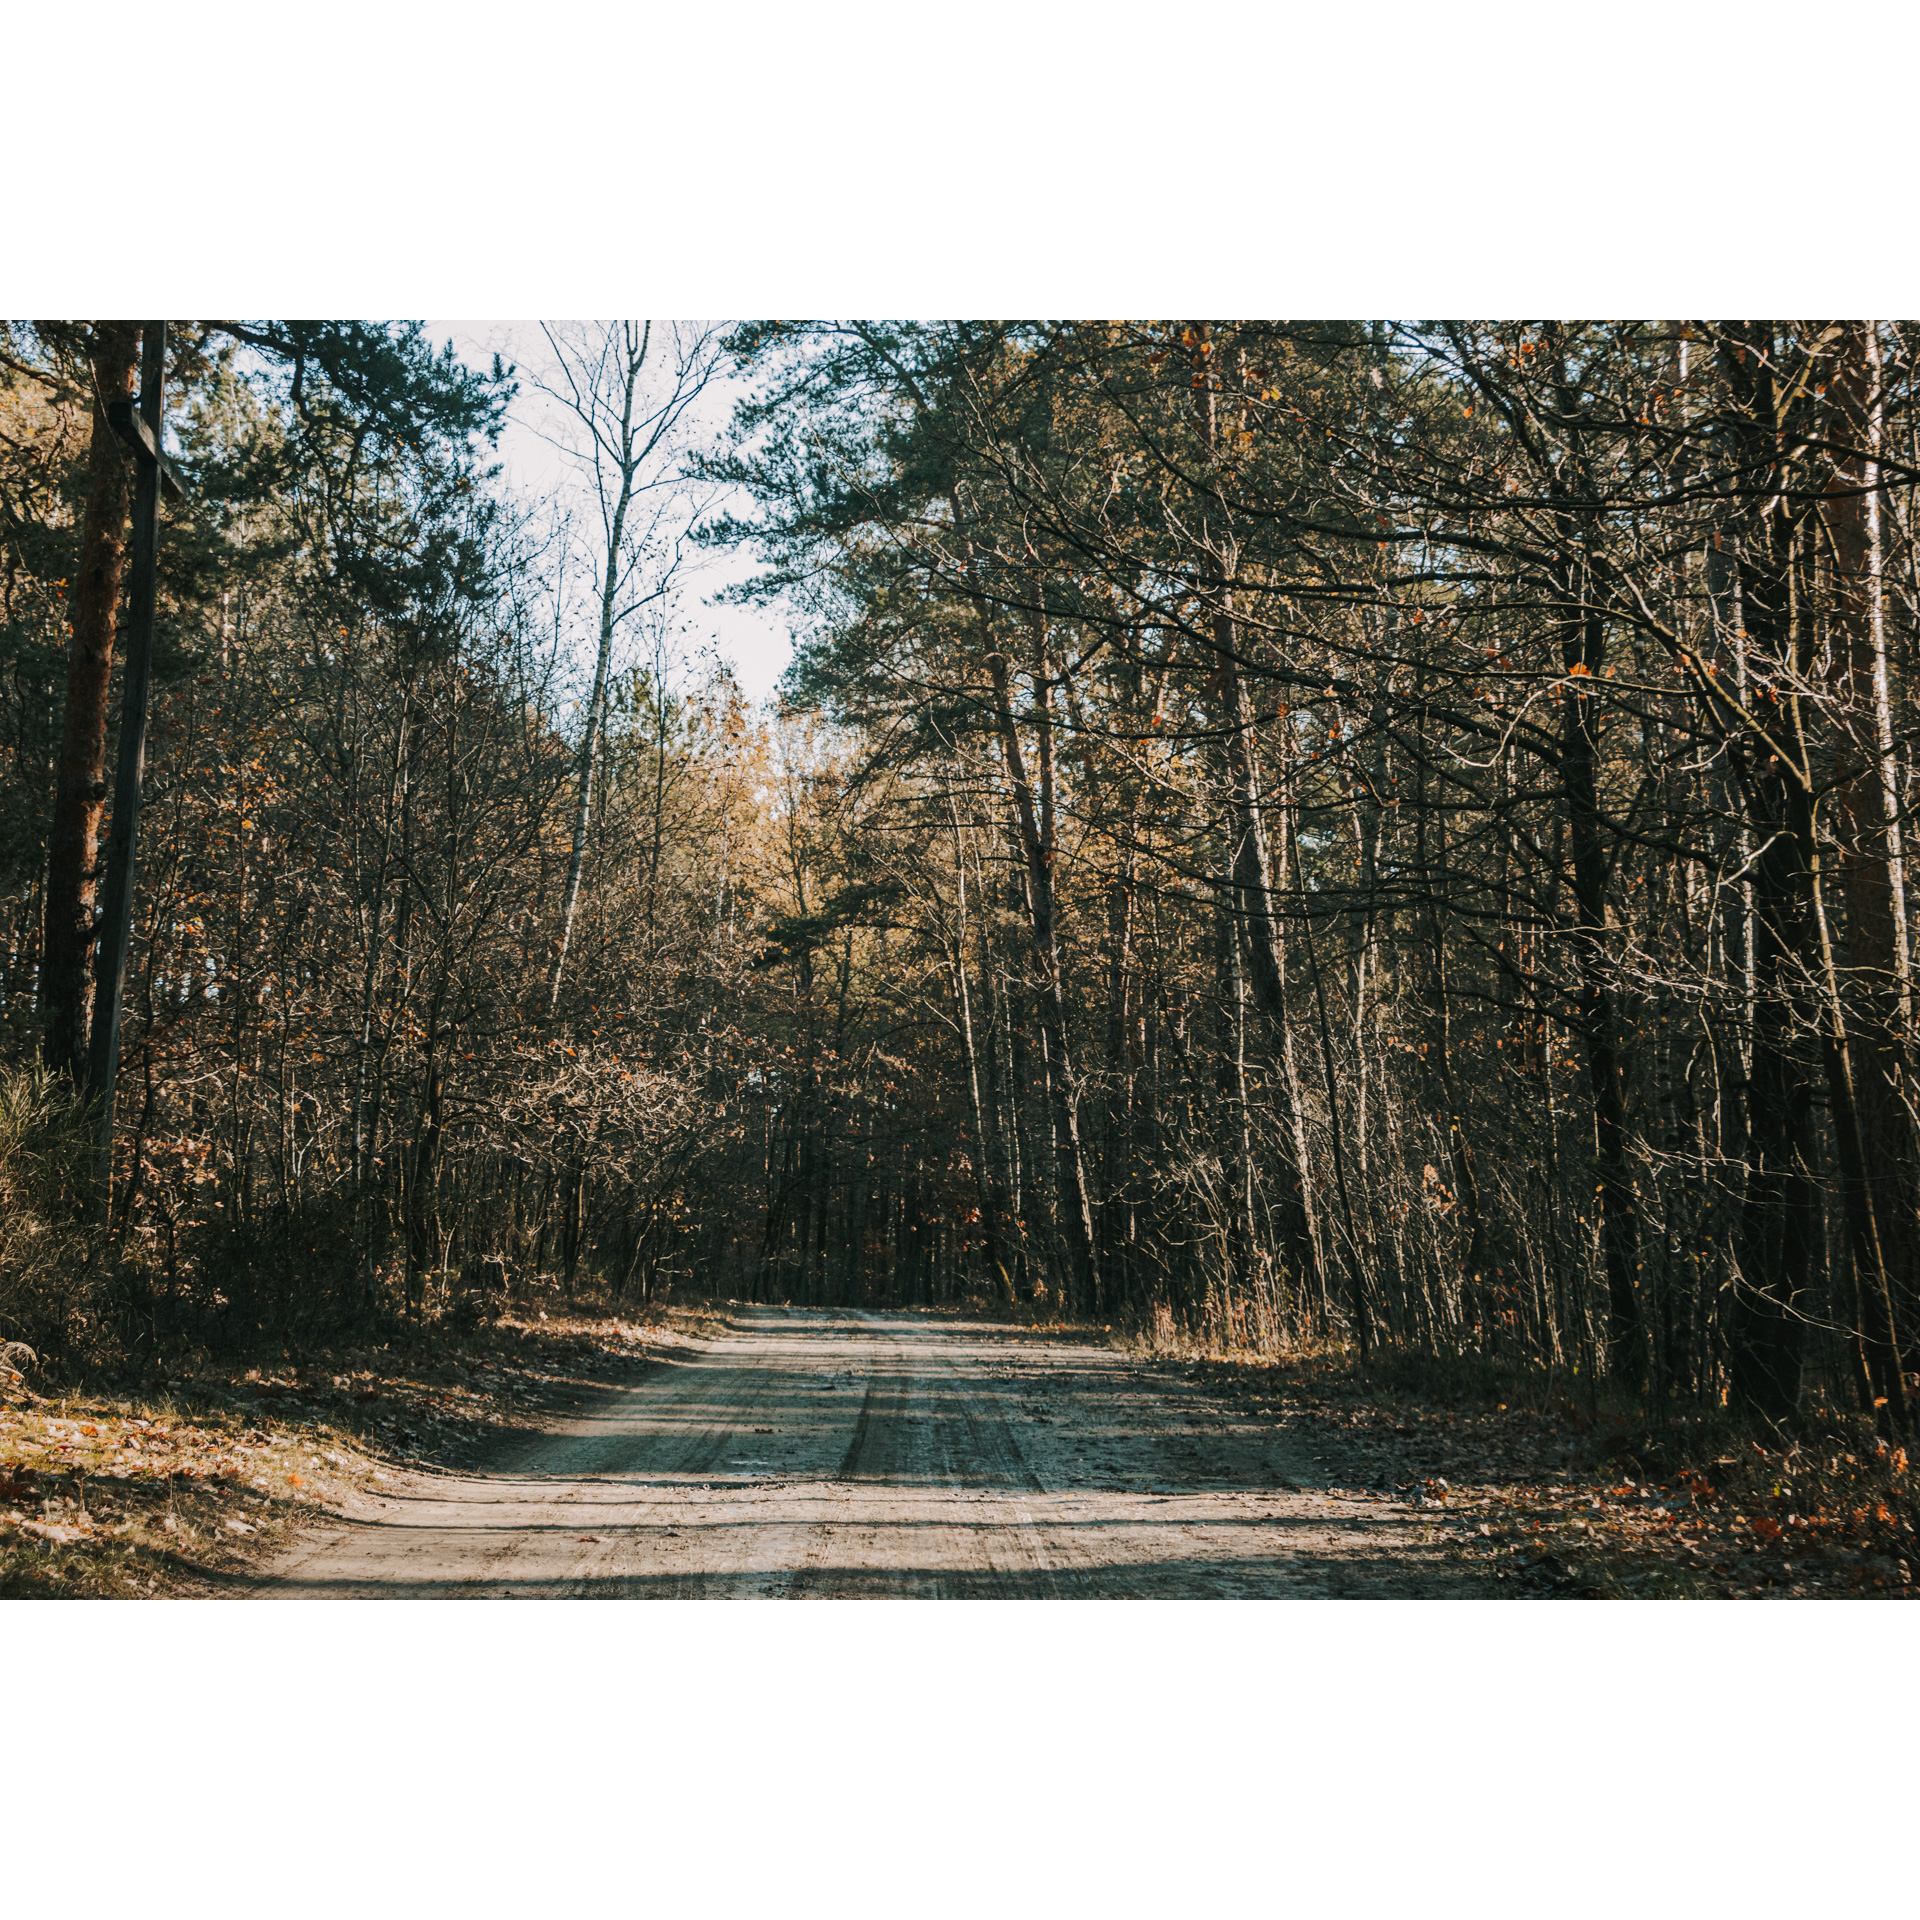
(624, 390)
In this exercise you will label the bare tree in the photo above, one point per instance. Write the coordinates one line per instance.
(629, 398)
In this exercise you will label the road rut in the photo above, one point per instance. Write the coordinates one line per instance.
(820, 1454)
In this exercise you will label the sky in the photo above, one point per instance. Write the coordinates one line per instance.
(756, 640)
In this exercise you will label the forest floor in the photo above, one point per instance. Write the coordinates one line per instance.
(782, 1452)
(1544, 1497)
(176, 1485)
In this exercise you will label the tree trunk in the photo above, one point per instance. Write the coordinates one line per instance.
(627, 464)
(1582, 652)
(1036, 839)
(73, 839)
(986, 1186)
(1872, 1018)
(1252, 867)
(423, 1183)
(1780, 1225)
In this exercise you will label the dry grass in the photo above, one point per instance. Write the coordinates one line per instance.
(45, 1239)
(185, 1487)
(1556, 1494)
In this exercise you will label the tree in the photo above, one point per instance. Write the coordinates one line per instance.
(351, 380)
(73, 841)
(628, 444)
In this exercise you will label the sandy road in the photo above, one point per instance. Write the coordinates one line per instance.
(831, 1454)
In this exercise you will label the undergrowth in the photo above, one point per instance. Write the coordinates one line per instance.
(185, 1483)
(1575, 1487)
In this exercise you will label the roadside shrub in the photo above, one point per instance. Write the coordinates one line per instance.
(49, 1251)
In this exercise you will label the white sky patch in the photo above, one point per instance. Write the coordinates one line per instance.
(756, 640)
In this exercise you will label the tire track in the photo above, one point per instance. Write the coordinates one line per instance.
(973, 1461)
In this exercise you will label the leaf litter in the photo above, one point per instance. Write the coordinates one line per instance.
(1552, 1500)
(184, 1484)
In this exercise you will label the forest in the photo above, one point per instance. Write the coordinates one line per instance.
(1378, 835)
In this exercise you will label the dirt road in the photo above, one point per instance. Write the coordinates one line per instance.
(848, 1455)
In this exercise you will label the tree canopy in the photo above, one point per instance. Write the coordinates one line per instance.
(1377, 832)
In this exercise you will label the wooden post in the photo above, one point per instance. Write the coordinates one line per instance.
(141, 431)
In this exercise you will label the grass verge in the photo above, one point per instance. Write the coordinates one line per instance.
(1554, 1494)
(163, 1488)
